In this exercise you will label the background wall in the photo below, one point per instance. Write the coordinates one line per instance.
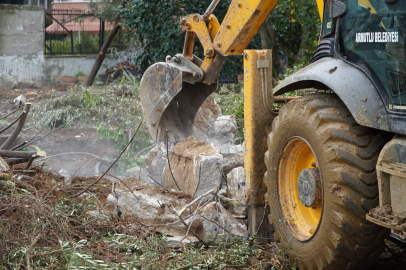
(22, 50)
(21, 30)
(46, 70)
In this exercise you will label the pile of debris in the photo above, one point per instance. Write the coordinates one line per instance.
(129, 70)
(195, 187)
(10, 146)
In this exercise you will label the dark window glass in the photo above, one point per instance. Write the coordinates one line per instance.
(372, 36)
(327, 21)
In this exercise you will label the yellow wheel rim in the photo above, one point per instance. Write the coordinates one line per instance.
(301, 220)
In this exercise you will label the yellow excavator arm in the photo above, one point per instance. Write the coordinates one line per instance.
(171, 92)
(241, 23)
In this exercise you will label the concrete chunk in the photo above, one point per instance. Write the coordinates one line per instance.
(224, 124)
(231, 161)
(155, 162)
(180, 241)
(140, 173)
(137, 200)
(190, 161)
(205, 118)
(236, 189)
(149, 204)
(215, 214)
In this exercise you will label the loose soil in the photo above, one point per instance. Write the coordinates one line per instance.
(385, 214)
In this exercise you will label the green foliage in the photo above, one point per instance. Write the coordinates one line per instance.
(105, 9)
(89, 43)
(156, 28)
(90, 100)
(297, 23)
(48, 21)
(291, 70)
(230, 99)
(80, 73)
(67, 110)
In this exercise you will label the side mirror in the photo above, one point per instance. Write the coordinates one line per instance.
(337, 8)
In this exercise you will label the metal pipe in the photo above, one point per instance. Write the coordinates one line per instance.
(210, 9)
(284, 99)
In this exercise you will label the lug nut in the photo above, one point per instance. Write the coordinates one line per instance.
(209, 51)
(239, 5)
(196, 19)
(228, 26)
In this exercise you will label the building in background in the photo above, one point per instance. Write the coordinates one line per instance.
(75, 16)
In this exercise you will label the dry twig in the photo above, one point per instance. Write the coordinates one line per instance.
(27, 253)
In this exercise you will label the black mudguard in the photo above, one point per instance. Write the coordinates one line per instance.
(352, 86)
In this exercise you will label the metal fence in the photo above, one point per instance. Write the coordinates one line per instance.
(73, 32)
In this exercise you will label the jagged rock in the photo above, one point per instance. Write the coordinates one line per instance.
(214, 213)
(224, 124)
(221, 131)
(156, 161)
(230, 148)
(231, 161)
(236, 189)
(67, 178)
(205, 117)
(196, 167)
(135, 199)
(140, 173)
(176, 241)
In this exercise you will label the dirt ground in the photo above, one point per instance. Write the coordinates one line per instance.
(92, 151)
(86, 140)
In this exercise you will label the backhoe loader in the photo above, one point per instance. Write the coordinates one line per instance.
(330, 165)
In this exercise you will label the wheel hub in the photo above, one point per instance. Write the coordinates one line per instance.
(309, 187)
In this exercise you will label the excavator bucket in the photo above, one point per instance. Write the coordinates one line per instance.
(170, 98)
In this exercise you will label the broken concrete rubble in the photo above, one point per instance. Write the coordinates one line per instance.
(224, 124)
(140, 173)
(195, 167)
(214, 214)
(156, 161)
(231, 148)
(205, 117)
(222, 130)
(136, 200)
(149, 204)
(231, 161)
(180, 241)
(236, 189)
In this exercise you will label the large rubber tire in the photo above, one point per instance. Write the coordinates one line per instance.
(346, 155)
